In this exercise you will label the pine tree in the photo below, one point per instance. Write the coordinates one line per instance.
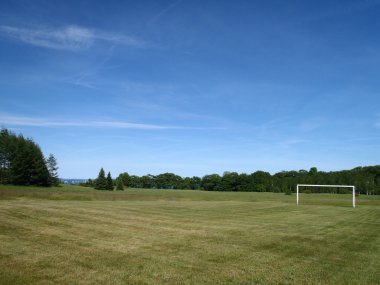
(28, 165)
(52, 166)
(101, 181)
(5, 137)
(119, 184)
(109, 182)
(40, 173)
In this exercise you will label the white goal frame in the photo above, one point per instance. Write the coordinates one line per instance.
(331, 186)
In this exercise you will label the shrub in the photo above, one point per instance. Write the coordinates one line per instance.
(119, 185)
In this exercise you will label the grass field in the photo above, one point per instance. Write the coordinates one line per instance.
(72, 235)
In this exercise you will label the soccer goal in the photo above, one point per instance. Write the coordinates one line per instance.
(331, 186)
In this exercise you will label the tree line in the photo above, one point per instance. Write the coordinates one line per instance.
(104, 183)
(366, 180)
(23, 163)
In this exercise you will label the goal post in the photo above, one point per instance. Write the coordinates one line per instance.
(331, 186)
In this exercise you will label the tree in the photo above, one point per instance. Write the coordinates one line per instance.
(109, 182)
(119, 185)
(127, 181)
(90, 182)
(230, 181)
(146, 181)
(211, 182)
(366, 180)
(5, 155)
(101, 181)
(260, 188)
(21, 161)
(195, 183)
(39, 173)
(168, 181)
(186, 183)
(313, 171)
(262, 180)
(288, 191)
(135, 182)
(245, 183)
(52, 166)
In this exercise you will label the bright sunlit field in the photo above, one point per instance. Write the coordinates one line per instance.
(73, 235)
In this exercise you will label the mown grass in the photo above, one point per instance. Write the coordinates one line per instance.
(81, 236)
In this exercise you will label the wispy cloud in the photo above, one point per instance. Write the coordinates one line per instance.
(6, 120)
(156, 17)
(72, 38)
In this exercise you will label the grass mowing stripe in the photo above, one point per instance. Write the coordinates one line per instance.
(191, 237)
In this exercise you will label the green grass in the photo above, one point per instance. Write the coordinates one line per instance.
(75, 235)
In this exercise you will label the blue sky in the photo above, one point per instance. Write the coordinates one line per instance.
(193, 87)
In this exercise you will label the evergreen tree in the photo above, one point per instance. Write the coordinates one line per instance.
(40, 174)
(5, 157)
(109, 182)
(52, 166)
(90, 183)
(119, 185)
(101, 181)
(27, 164)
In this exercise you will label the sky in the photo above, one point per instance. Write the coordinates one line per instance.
(193, 87)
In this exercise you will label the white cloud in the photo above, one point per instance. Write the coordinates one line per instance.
(72, 38)
(39, 122)
(6, 120)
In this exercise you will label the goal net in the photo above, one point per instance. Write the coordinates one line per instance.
(329, 186)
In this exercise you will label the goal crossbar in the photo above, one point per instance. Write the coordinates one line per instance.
(330, 186)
